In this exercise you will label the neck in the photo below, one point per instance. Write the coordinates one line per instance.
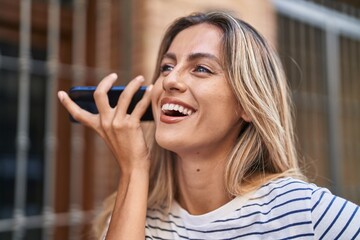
(201, 183)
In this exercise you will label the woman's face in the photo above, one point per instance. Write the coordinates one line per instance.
(194, 108)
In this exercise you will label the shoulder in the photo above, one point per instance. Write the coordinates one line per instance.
(283, 199)
(328, 214)
(295, 190)
(334, 216)
(287, 189)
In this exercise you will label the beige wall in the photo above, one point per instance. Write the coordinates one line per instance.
(152, 17)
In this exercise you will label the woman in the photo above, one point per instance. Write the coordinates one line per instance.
(223, 164)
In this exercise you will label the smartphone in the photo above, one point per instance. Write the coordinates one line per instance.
(84, 97)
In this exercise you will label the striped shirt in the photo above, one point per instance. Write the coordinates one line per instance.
(286, 208)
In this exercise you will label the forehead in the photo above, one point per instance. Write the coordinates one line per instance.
(203, 38)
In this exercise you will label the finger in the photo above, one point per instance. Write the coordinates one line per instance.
(127, 95)
(75, 111)
(100, 94)
(143, 104)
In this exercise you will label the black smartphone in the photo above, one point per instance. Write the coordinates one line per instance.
(84, 97)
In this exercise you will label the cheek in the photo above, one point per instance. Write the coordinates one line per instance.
(226, 110)
(155, 96)
(156, 92)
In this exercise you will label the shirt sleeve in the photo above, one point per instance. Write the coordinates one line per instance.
(334, 217)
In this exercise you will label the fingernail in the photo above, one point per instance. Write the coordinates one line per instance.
(149, 87)
(140, 78)
(113, 75)
(61, 96)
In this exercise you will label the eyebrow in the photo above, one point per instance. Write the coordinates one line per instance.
(194, 56)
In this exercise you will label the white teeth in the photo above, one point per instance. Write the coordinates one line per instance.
(176, 107)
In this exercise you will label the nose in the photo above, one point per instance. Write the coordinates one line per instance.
(173, 82)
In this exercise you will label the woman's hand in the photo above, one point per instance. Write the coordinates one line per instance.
(122, 132)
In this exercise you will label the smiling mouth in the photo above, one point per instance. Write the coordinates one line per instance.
(176, 110)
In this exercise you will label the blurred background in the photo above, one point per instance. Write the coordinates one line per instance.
(54, 175)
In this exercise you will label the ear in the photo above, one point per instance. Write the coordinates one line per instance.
(241, 114)
(245, 116)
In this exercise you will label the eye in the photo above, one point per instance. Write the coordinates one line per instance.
(165, 68)
(202, 69)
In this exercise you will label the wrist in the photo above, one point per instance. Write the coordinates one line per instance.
(135, 169)
(128, 175)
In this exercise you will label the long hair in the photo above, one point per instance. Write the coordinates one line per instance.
(265, 147)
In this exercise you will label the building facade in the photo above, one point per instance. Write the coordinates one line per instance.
(54, 174)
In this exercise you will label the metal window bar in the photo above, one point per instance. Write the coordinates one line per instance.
(103, 36)
(56, 219)
(77, 130)
(102, 52)
(334, 110)
(335, 25)
(126, 26)
(350, 51)
(50, 68)
(346, 26)
(40, 67)
(35, 222)
(319, 16)
(23, 120)
(51, 119)
(302, 43)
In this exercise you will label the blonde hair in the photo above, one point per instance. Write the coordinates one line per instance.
(265, 147)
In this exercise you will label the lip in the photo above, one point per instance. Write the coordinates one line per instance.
(171, 119)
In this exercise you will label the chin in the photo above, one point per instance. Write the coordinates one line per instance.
(165, 142)
(168, 142)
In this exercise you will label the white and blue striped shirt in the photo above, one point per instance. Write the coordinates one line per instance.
(286, 208)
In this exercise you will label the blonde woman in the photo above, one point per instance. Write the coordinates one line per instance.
(221, 163)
